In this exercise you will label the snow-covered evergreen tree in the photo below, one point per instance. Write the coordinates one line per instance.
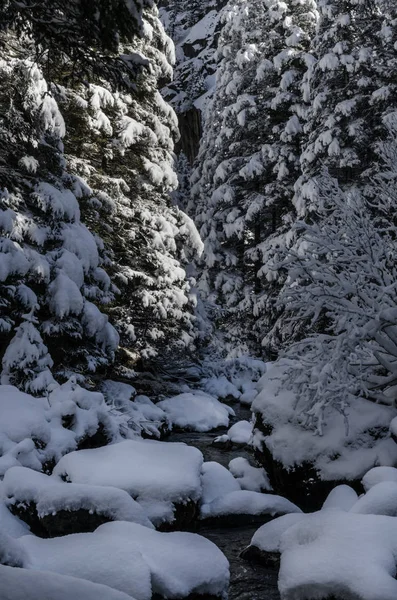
(350, 88)
(126, 154)
(49, 259)
(249, 158)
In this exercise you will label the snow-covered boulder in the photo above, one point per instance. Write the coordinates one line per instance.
(52, 507)
(240, 433)
(160, 476)
(217, 481)
(136, 560)
(378, 475)
(381, 499)
(222, 388)
(38, 585)
(265, 543)
(250, 478)
(196, 411)
(342, 497)
(242, 507)
(336, 554)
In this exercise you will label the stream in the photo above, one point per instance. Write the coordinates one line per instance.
(248, 581)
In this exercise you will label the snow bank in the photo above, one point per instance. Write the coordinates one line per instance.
(250, 478)
(337, 454)
(151, 472)
(39, 585)
(196, 411)
(248, 503)
(339, 554)
(217, 481)
(50, 495)
(240, 432)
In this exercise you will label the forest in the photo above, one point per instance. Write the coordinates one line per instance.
(198, 300)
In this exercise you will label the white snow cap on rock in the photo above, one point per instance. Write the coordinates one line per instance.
(250, 478)
(342, 497)
(335, 553)
(196, 411)
(381, 499)
(240, 432)
(148, 470)
(220, 387)
(378, 475)
(51, 495)
(136, 560)
(248, 503)
(217, 481)
(268, 537)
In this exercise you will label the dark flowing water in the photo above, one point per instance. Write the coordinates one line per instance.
(248, 581)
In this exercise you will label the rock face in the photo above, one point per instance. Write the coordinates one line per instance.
(301, 485)
(190, 127)
(64, 522)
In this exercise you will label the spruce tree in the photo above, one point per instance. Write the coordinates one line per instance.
(249, 159)
(126, 154)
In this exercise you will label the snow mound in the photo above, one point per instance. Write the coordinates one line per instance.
(378, 475)
(250, 478)
(39, 585)
(240, 432)
(221, 387)
(96, 557)
(216, 481)
(248, 503)
(50, 495)
(196, 411)
(381, 499)
(149, 471)
(339, 554)
(342, 497)
(136, 560)
(180, 563)
(12, 553)
(268, 537)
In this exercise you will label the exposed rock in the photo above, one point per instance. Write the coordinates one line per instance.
(184, 517)
(62, 523)
(234, 520)
(223, 442)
